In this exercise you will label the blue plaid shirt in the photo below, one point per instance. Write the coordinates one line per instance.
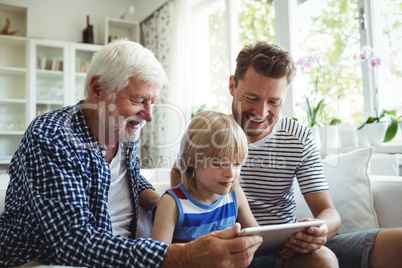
(56, 201)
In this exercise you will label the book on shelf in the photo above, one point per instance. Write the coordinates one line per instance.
(44, 63)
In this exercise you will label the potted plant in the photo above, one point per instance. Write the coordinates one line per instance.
(326, 134)
(382, 128)
(314, 112)
(329, 134)
(316, 115)
(310, 67)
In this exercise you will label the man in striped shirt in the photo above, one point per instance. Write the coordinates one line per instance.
(280, 151)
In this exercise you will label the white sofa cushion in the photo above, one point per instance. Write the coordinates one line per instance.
(387, 194)
(384, 164)
(2, 196)
(349, 183)
(4, 179)
(160, 179)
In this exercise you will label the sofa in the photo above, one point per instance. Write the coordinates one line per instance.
(364, 201)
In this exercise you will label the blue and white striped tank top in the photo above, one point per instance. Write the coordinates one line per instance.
(197, 219)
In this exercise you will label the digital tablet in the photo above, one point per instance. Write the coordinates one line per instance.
(275, 236)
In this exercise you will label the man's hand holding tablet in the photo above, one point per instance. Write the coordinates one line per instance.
(275, 237)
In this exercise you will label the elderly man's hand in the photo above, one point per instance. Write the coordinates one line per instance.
(217, 249)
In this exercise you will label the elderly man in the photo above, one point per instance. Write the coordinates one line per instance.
(75, 183)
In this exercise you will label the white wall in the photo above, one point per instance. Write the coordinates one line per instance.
(147, 7)
(66, 19)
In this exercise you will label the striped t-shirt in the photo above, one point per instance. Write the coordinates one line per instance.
(289, 152)
(197, 219)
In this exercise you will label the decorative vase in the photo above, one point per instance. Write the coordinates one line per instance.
(316, 136)
(329, 137)
(348, 135)
(88, 33)
(375, 132)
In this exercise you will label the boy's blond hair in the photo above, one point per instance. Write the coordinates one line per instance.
(211, 136)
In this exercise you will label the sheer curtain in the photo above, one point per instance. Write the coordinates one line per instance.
(166, 33)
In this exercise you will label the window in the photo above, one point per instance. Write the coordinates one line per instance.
(387, 42)
(327, 37)
(256, 21)
(211, 63)
(332, 31)
(215, 47)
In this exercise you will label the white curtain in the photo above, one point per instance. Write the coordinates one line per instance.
(167, 33)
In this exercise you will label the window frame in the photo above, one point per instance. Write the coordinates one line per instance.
(367, 19)
(284, 28)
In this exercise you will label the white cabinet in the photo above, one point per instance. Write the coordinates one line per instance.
(57, 73)
(53, 77)
(80, 56)
(17, 19)
(13, 80)
(118, 28)
(13, 87)
(36, 76)
(48, 76)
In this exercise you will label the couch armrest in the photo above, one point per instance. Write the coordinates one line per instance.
(4, 179)
(161, 187)
(2, 199)
(156, 174)
(387, 195)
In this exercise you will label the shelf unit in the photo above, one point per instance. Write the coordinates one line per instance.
(48, 76)
(36, 76)
(13, 81)
(80, 55)
(40, 76)
(118, 28)
(17, 16)
(57, 73)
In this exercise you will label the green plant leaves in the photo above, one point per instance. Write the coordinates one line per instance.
(392, 128)
(335, 121)
(314, 112)
(370, 120)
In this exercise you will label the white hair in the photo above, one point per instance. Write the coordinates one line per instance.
(121, 60)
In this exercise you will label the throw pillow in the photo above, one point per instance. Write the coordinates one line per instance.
(349, 183)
